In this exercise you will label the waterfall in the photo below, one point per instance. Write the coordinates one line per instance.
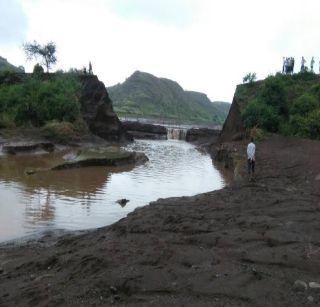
(176, 133)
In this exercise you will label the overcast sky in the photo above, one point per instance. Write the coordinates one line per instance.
(205, 45)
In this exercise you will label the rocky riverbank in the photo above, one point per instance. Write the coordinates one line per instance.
(250, 244)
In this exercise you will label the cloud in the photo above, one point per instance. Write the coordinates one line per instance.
(205, 45)
(13, 22)
(166, 12)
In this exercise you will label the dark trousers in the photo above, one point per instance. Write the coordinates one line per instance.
(251, 165)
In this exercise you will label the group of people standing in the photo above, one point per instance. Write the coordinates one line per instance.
(288, 65)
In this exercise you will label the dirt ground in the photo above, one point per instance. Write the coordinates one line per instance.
(250, 244)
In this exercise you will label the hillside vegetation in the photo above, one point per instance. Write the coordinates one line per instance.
(6, 66)
(144, 95)
(284, 104)
(50, 103)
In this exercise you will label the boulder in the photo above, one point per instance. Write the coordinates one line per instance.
(25, 147)
(103, 157)
(196, 134)
(314, 285)
(97, 110)
(300, 285)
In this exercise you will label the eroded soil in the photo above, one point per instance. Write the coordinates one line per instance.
(245, 245)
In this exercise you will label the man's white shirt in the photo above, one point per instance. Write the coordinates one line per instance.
(251, 151)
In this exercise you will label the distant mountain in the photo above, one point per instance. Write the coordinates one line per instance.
(5, 65)
(144, 95)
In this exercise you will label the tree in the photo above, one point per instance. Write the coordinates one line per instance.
(46, 53)
(38, 70)
(250, 78)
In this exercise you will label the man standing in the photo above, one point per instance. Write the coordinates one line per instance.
(251, 155)
(312, 64)
(303, 63)
(284, 65)
(90, 68)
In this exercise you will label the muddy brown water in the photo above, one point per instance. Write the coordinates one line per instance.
(87, 198)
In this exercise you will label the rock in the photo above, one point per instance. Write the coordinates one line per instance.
(123, 202)
(233, 128)
(300, 285)
(113, 289)
(318, 177)
(30, 172)
(97, 110)
(314, 285)
(103, 157)
(310, 299)
(145, 131)
(25, 147)
(201, 133)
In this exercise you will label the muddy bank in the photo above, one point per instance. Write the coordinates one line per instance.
(251, 244)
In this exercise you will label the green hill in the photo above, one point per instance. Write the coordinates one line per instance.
(144, 95)
(5, 65)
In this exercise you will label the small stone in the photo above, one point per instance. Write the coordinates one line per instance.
(123, 202)
(113, 289)
(30, 172)
(314, 285)
(318, 177)
(310, 298)
(300, 285)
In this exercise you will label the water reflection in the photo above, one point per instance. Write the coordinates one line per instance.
(87, 197)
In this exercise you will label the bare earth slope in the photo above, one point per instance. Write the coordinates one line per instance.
(245, 245)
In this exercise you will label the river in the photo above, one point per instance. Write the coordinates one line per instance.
(86, 198)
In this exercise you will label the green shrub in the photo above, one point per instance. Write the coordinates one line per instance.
(273, 93)
(258, 134)
(258, 114)
(250, 78)
(305, 76)
(8, 77)
(313, 125)
(6, 121)
(80, 126)
(298, 125)
(306, 126)
(38, 101)
(38, 70)
(304, 104)
(62, 132)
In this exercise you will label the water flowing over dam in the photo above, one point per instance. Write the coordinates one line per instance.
(176, 133)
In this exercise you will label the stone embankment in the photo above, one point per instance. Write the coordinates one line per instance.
(145, 131)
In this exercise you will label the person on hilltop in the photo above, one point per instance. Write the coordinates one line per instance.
(303, 63)
(251, 156)
(284, 64)
(312, 64)
(293, 62)
(90, 68)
